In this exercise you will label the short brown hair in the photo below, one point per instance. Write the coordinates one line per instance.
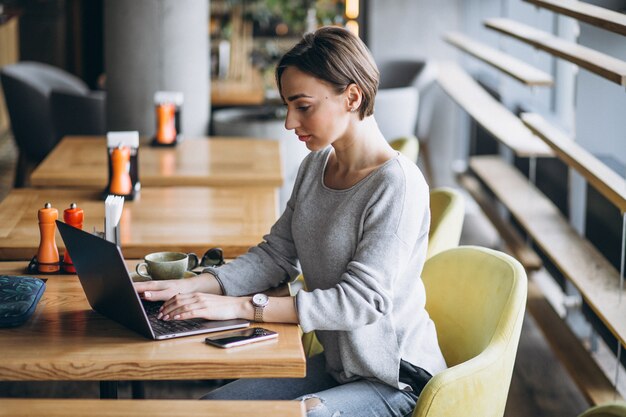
(336, 56)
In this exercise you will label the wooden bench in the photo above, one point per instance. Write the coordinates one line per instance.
(599, 63)
(28, 407)
(509, 65)
(515, 244)
(489, 113)
(575, 257)
(601, 177)
(588, 13)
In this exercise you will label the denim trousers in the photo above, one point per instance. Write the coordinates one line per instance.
(362, 398)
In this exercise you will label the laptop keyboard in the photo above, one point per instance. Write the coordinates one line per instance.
(168, 327)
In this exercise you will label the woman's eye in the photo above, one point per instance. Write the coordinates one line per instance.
(303, 108)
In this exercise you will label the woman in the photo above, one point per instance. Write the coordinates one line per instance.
(356, 225)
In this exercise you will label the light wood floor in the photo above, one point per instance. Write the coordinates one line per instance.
(540, 386)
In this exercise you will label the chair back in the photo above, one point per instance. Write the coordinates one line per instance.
(476, 298)
(447, 211)
(27, 87)
(409, 146)
(395, 110)
(399, 73)
(614, 409)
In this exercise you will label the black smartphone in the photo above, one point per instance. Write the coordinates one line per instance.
(241, 337)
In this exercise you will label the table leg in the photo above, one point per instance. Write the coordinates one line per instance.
(108, 389)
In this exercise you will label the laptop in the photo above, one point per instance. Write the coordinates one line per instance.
(109, 289)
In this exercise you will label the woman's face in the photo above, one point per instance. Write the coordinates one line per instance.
(318, 115)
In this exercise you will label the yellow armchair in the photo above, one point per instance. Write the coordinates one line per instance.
(477, 298)
(447, 210)
(616, 409)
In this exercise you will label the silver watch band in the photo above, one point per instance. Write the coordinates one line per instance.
(258, 313)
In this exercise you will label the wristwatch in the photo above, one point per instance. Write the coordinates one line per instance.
(259, 301)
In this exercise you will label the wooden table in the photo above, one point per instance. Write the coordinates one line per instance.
(188, 219)
(28, 407)
(65, 340)
(81, 161)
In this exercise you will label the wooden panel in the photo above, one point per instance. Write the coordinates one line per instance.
(185, 219)
(585, 373)
(576, 258)
(601, 177)
(588, 13)
(67, 341)
(244, 92)
(9, 54)
(155, 408)
(511, 66)
(601, 64)
(81, 161)
(489, 113)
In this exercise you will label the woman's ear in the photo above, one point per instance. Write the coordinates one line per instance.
(354, 97)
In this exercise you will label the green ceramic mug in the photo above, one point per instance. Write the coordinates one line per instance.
(166, 265)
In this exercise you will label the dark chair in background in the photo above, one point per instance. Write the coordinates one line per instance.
(46, 103)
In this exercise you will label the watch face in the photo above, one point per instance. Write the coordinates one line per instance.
(260, 299)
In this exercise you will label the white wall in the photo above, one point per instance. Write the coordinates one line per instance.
(413, 29)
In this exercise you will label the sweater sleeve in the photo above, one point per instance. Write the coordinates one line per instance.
(395, 227)
(269, 264)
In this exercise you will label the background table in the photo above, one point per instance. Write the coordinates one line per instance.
(81, 161)
(237, 93)
(190, 219)
(67, 341)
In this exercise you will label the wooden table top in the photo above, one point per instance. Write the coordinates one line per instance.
(187, 219)
(81, 161)
(29, 407)
(65, 340)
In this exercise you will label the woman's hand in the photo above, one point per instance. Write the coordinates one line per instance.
(163, 290)
(208, 306)
(166, 289)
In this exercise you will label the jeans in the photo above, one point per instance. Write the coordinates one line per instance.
(362, 398)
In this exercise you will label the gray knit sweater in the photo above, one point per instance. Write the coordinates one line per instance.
(361, 251)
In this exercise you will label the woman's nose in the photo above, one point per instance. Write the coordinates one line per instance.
(290, 121)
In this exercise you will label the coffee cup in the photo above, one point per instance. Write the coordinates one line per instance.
(166, 265)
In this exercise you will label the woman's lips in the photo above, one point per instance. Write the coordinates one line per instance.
(304, 138)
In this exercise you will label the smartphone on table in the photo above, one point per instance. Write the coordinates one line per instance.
(241, 337)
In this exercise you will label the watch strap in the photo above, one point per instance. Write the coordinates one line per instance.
(258, 313)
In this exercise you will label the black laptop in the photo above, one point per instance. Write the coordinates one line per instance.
(109, 289)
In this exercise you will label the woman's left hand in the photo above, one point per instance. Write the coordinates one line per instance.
(207, 306)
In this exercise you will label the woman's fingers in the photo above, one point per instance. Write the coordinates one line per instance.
(182, 304)
(194, 305)
(157, 290)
